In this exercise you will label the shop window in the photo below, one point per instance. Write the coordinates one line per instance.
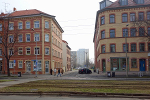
(133, 63)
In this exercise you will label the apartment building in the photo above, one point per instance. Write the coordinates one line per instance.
(74, 59)
(39, 37)
(114, 25)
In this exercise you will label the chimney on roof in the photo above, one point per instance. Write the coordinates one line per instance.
(14, 9)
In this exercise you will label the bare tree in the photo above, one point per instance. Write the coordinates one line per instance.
(8, 39)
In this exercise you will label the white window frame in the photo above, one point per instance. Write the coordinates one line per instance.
(36, 24)
(11, 38)
(20, 51)
(11, 52)
(46, 51)
(36, 37)
(11, 64)
(27, 37)
(20, 25)
(11, 26)
(38, 51)
(20, 38)
(27, 25)
(27, 50)
(46, 24)
(39, 65)
(20, 64)
(46, 37)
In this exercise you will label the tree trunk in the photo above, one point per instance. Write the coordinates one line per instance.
(8, 71)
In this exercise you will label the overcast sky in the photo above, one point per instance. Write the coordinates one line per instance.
(76, 17)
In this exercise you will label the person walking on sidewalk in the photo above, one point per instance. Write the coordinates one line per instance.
(59, 73)
(54, 71)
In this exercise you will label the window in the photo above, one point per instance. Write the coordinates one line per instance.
(112, 18)
(36, 24)
(124, 47)
(133, 63)
(20, 51)
(11, 26)
(125, 32)
(133, 32)
(112, 33)
(11, 52)
(11, 64)
(20, 38)
(37, 51)
(112, 48)
(27, 25)
(20, 64)
(123, 2)
(39, 65)
(102, 34)
(0, 39)
(46, 37)
(0, 51)
(46, 51)
(0, 27)
(27, 37)
(102, 20)
(139, 1)
(148, 15)
(46, 24)
(46, 66)
(133, 47)
(20, 25)
(11, 38)
(28, 51)
(142, 47)
(103, 5)
(124, 18)
(141, 31)
(132, 17)
(103, 49)
(148, 46)
(148, 31)
(141, 16)
(36, 37)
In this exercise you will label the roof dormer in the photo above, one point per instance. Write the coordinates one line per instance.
(139, 1)
(123, 2)
(104, 4)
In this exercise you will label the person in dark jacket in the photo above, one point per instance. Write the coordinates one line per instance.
(59, 73)
(51, 71)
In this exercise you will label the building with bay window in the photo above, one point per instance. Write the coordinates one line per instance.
(34, 26)
(114, 23)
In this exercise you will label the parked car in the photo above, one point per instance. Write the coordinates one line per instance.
(84, 71)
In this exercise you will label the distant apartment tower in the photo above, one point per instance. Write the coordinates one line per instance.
(82, 57)
(73, 59)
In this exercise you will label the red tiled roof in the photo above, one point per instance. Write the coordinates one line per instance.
(26, 12)
(130, 3)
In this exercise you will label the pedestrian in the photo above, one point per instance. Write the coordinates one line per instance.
(51, 71)
(59, 73)
(54, 71)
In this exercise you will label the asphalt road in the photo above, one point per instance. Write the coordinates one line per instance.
(19, 97)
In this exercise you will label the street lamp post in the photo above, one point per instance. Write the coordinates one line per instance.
(126, 51)
(36, 53)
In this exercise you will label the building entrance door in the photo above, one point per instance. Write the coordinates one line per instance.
(103, 66)
(28, 66)
(142, 64)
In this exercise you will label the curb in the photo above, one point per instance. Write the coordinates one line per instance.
(81, 94)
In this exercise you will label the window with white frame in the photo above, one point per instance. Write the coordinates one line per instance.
(0, 39)
(0, 27)
(11, 38)
(46, 51)
(28, 52)
(39, 65)
(132, 16)
(141, 16)
(36, 24)
(46, 24)
(0, 51)
(20, 38)
(37, 51)
(11, 64)
(11, 51)
(20, 51)
(20, 64)
(27, 25)
(46, 37)
(11, 26)
(20, 25)
(36, 37)
(27, 37)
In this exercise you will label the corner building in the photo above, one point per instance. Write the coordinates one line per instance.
(48, 35)
(113, 24)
